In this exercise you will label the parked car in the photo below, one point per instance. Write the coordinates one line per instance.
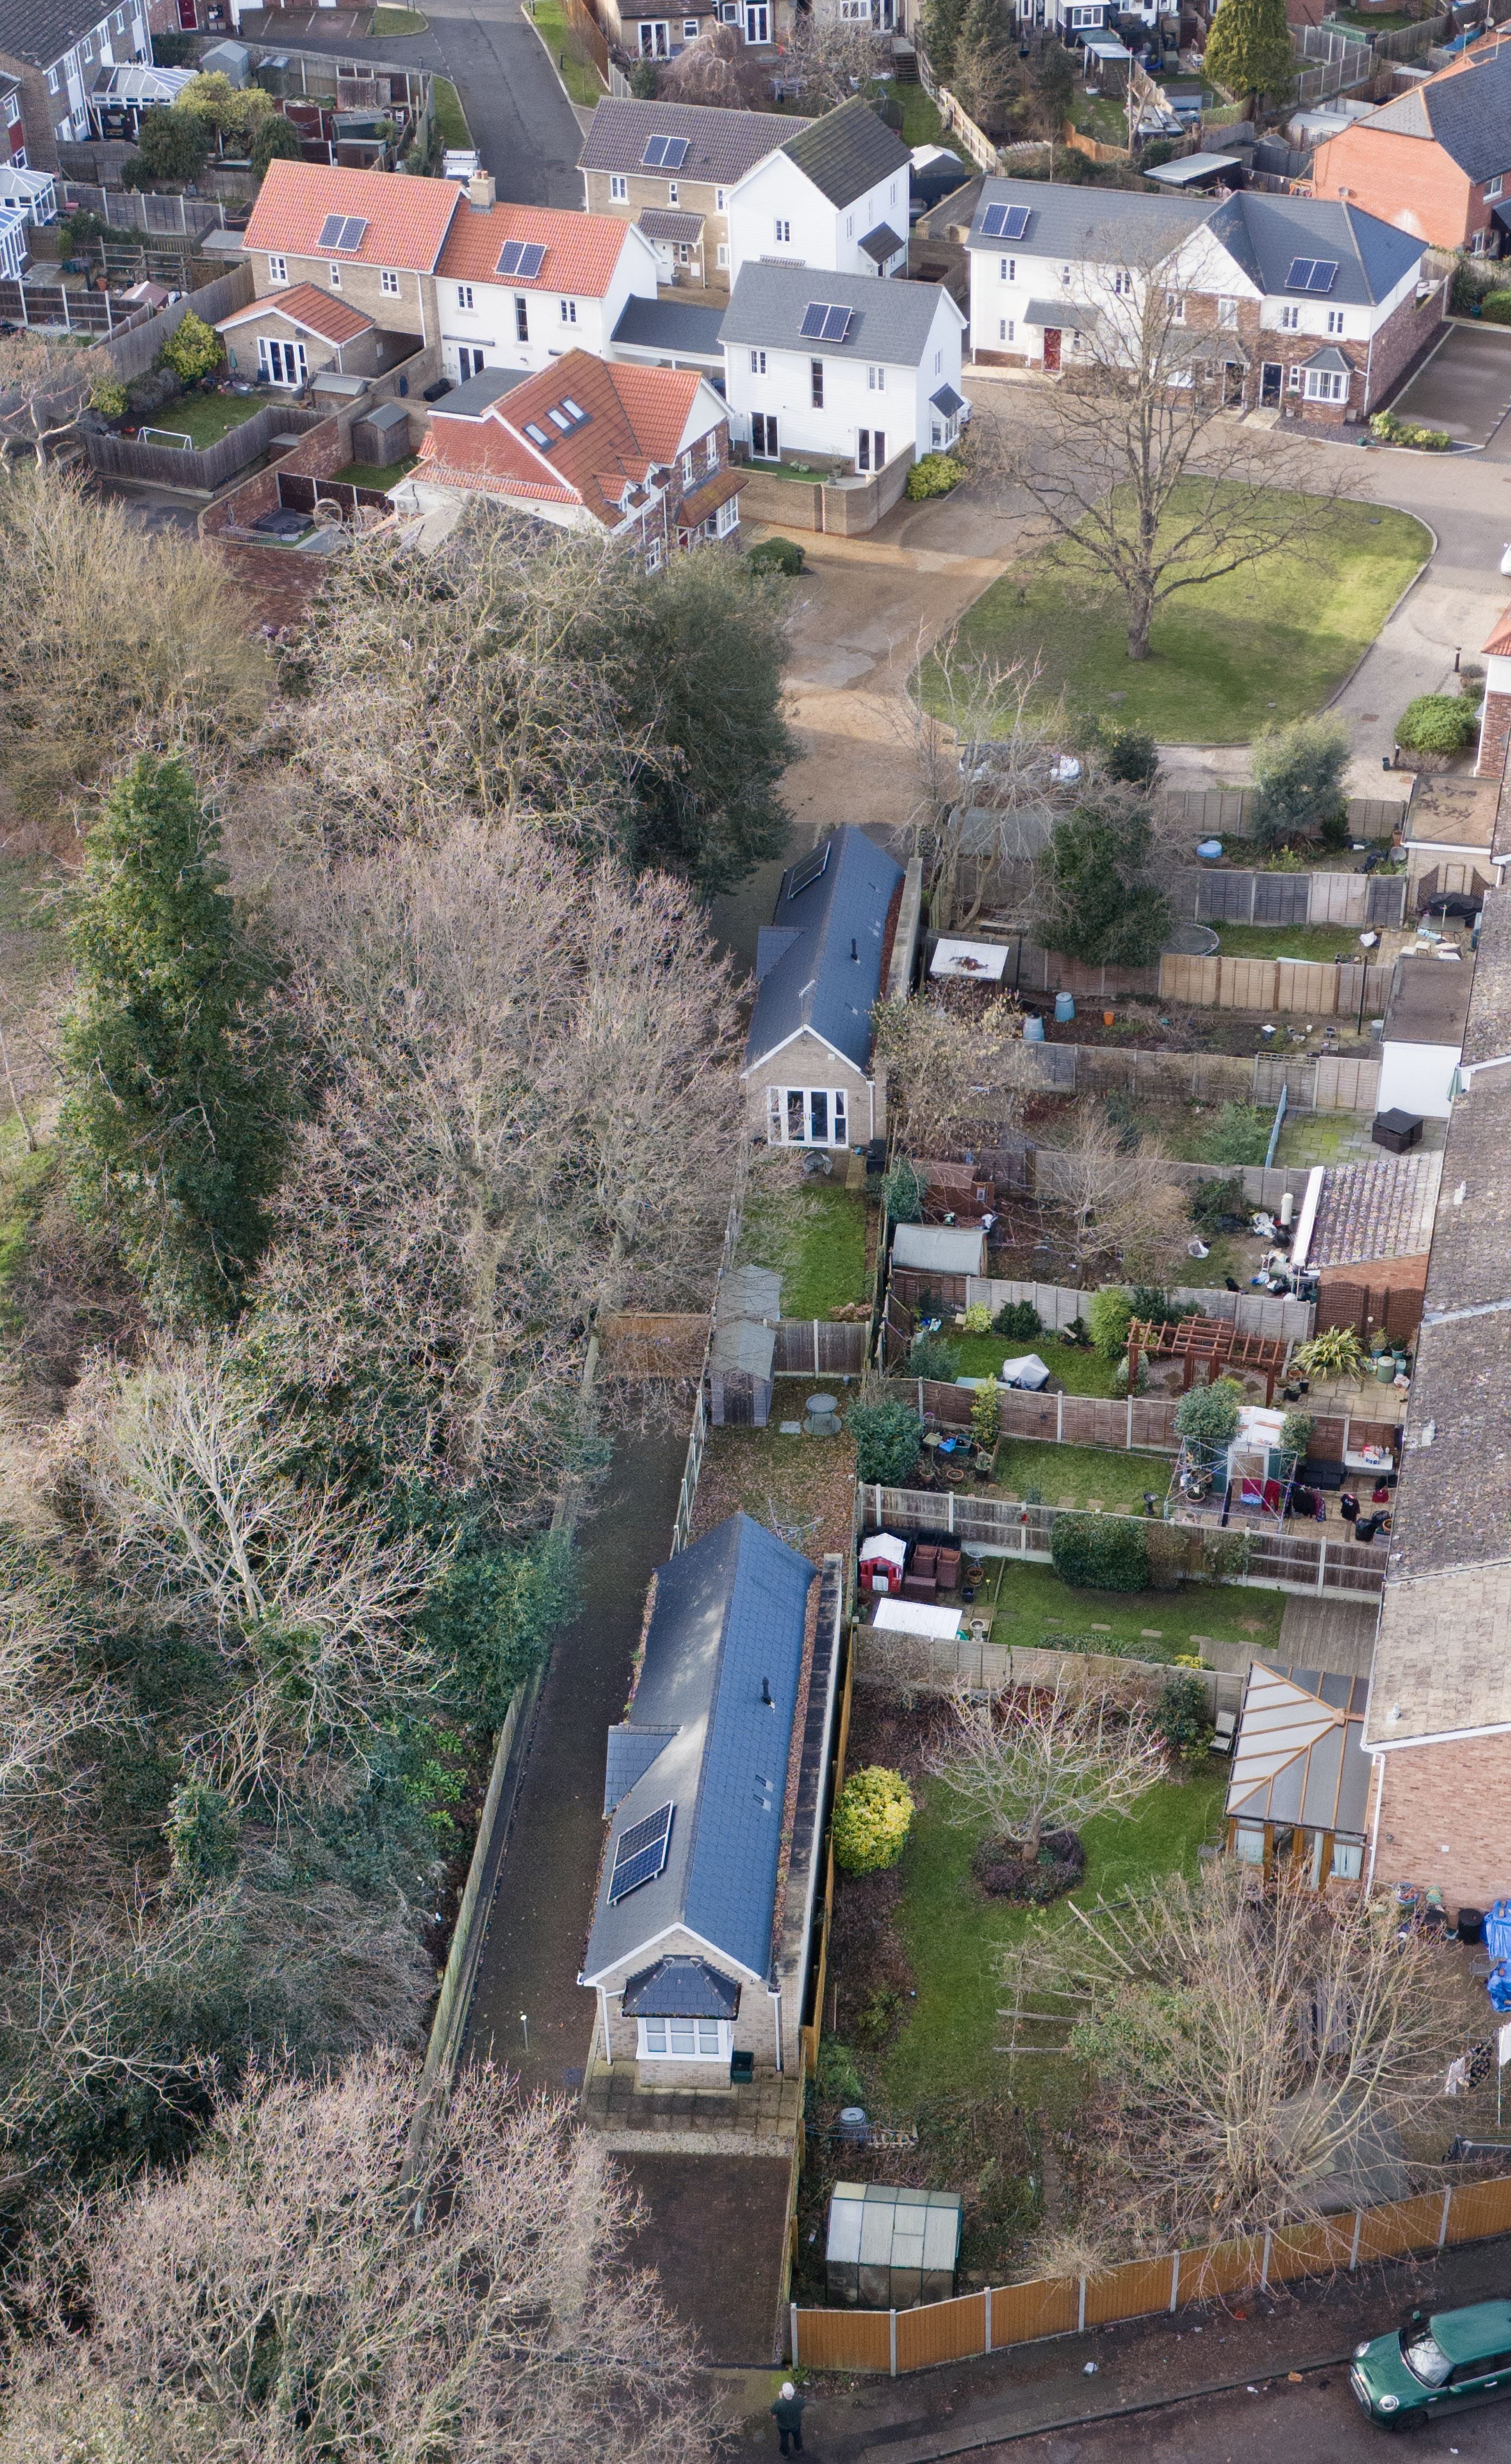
(1434, 2363)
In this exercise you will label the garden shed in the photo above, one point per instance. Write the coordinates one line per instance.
(891, 2249)
(940, 1256)
(743, 1350)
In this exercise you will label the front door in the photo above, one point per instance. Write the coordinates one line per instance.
(757, 23)
(1269, 375)
(1232, 383)
(187, 16)
(1050, 347)
(763, 438)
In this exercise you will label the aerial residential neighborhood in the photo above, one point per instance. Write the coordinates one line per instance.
(755, 999)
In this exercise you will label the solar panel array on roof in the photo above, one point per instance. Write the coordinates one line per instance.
(522, 259)
(806, 874)
(1311, 274)
(824, 323)
(665, 153)
(641, 1853)
(342, 230)
(1004, 222)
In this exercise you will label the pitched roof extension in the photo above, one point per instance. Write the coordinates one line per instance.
(848, 151)
(893, 321)
(809, 978)
(404, 221)
(1465, 109)
(581, 250)
(729, 1617)
(722, 144)
(635, 420)
(314, 311)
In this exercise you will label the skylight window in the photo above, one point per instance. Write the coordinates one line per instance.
(1004, 222)
(575, 407)
(1312, 273)
(666, 153)
(342, 232)
(536, 436)
(521, 260)
(823, 323)
(559, 419)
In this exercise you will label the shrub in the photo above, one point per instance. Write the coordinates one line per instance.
(976, 1320)
(887, 1438)
(108, 396)
(776, 555)
(1333, 1352)
(276, 140)
(1436, 723)
(1019, 1320)
(872, 1820)
(986, 1417)
(1333, 830)
(172, 144)
(1183, 1719)
(902, 1190)
(934, 474)
(1296, 1434)
(835, 2076)
(1109, 1311)
(643, 80)
(1298, 775)
(1390, 431)
(192, 350)
(1130, 754)
(1156, 1308)
(1100, 1552)
(1119, 1376)
(1207, 1416)
(929, 1355)
(1497, 310)
(1214, 1199)
(1239, 1134)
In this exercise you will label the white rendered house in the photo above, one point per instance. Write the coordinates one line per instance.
(841, 366)
(835, 196)
(519, 286)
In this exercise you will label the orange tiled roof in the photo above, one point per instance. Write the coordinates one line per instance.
(635, 420)
(303, 305)
(581, 250)
(405, 219)
(1498, 646)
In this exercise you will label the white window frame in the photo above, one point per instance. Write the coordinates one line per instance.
(1326, 385)
(1005, 329)
(335, 277)
(699, 2031)
(724, 254)
(1335, 321)
(1294, 380)
(674, 192)
(569, 312)
(728, 516)
(689, 30)
(1007, 269)
(1352, 1853)
(1175, 307)
(464, 298)
(783, 232)
(718, 200)
(875, 380)
(278, 268)
(757, 364)
(654, 551)
(780, 1101)
(1492, 188)
(389, 282)
(291, 355)
(51, 82)
(688, 460)
(86, 47)
(1228, 314)
(618, 188)
(1248, 1843)
(521, 317)
(1290, 316)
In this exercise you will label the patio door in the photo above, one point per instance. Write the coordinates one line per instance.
(1051, 348)
(763, 438)
(757, 23)
(871, 449)
(807, 1117)
(282, 363)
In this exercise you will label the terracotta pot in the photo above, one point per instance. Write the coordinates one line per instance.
(1107, 1017)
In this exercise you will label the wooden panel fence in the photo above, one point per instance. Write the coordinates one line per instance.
(1265, 1313)
(818, 1348)
(895, 1661)
(1311, 1086)
(976, 2324)
(1294, 986)
(208, 467)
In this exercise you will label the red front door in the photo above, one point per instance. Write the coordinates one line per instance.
(1051, 332)
(188, 15)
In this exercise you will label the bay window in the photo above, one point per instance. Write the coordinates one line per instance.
(683, 2040)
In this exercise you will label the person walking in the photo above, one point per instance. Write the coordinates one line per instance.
(787, 2414)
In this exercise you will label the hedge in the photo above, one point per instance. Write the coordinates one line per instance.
(1100, 1552)
(1437, 723)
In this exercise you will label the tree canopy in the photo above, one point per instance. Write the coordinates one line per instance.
(1250, 50)
(1097, 899)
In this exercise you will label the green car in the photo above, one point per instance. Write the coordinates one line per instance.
(1435, 2365)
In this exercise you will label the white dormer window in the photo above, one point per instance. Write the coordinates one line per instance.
(335, 277)
(618, 188)
(1226, 312)
(388, 283)
(278, 268)
(1492, 188)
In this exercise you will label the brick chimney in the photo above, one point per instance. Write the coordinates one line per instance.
(482, 192)
(1494, 714)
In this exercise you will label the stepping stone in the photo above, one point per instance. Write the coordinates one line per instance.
(790, 1429)
(1151, 1634)
(1094, 1505)
(1101, 1629)
(1067, 1500)
(1049, 1620)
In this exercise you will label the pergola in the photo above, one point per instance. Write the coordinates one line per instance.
(1210, 1342)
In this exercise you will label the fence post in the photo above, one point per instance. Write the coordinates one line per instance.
(792, 2306)
(68, 322)
(892, 2330)
(1175, 2277)
(1353, 2252)
(1322, 1563)
(950, 1512)
(988, 2318)
(1127, 1442)
(1442, 2230)
(1080, 2311)
(1264, 2265)
(920, 1399)
(815, 1347)
(1059, 1418)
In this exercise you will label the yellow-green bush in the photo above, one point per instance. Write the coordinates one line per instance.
(872, 1820)
(934, 476)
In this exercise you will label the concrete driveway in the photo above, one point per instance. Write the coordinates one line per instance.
(1465, 386)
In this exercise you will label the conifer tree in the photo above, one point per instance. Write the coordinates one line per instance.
(1250, 51)
(942, 21)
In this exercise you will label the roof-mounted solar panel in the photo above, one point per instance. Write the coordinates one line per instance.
(1004, 222)
(814, 316)
(666, 153)
(1312, 273)
(640, 1854)
(330, 231)
(1324, 274)
(824, 323)
(353, 231)
(521, 260)
(808, 871)
(836, 324)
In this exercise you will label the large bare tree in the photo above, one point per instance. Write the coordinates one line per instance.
(291, 2293)
(833, 58)
(1254, 2044)
(1147, 483)
(949, 1070)
(1113, 1202)
(1036, 1759)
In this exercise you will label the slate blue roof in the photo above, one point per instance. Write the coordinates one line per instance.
(680, 1988)
(1468, 113)
(807, 974)
(671, 325)
(730, 1614)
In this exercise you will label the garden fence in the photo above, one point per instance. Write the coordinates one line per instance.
(1227, 812)
(683, 1522)
(142, 209)
(1351, 901)
(1329, 1083)
(922, 1664)
(1302, 986)
(1067, 2305)
(1283, 1320)
(77, 312)
(1272, 1560)
(208, 467)
(820, 1348)
(957, 120)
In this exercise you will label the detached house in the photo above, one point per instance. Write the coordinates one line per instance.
(820, 966)
(643, 453)
(519, 285)
(1435, 160)
(834, 197)
(852, 371)
(669, 167)
(344, 264)
(1290, 302)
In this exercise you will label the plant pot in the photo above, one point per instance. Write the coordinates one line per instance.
(1108, 1016)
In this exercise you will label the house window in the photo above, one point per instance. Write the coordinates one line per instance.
(1349, 1853)
(718, 200)
(871, 449)
(728, 516)
(388, 283)
(687, 470)
(1175, 307)
(1065, 277)
(689, 30)
(850, 227)
(464, 296)
(618, 188)
(1122, 284)
(52, 80)
(1007, 269)
(784, 231)
(673, 192)
(278, 268)
(816, 373)
(1290, 319)
(723, 253)
(1295, 379)
(521, 319)
(757, 364)
(1226, 312)
(569, 312)
(86, 49)
(653, 552)
(807, 1117)
(335, 277)
(1326, 385)
(875, 380)
(1335, 321)
(1492, 188)
(938, 364)
(683, 2040)
(1248, 1843)
(1005, 329)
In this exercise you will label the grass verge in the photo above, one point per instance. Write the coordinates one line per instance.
(1261, 646)
(387, 24)
(579, 76)
(447, 115)
(1079, 1372)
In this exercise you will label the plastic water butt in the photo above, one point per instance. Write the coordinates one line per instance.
(1034, 1030)
(1065, 1008)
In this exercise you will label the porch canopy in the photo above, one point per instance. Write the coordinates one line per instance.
(1298, 1757)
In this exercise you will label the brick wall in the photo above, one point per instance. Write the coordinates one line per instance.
(806, 1062)
(1445, 1817)
(692, 197)
(1405, 180)
(39, 111)
(412, 312)
(1495, 735)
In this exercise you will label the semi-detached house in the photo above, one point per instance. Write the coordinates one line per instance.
(518, 285)
(1294, 303)
(669, 166)
(833, 197)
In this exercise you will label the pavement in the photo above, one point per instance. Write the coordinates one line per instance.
(1212, 2385)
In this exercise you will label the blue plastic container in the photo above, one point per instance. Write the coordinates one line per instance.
(1064, 1009)
(1034, 1030)
(1209, 850)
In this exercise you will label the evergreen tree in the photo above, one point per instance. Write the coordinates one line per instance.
(176, 1112)
(983, 62)
(943, 20)
(1250, 51)
(1099, 902)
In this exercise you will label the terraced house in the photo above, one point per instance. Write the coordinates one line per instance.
(50, 52)
(1313, 308)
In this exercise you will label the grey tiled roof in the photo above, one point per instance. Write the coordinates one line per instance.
(470, 399)
(848, 151)
(680, 1988)
(1103, 224)
(815, 981)
(730, 1612)
(723, 145)
(1376, 1210)
(1468, 113)
(632, 1752)
(662, 222)
(668, 325)
(882, 244)
(894, 322)
(1429, 1002)
(43, 31)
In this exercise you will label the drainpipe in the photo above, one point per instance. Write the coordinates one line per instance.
(1375, 1828)
(774, 1990)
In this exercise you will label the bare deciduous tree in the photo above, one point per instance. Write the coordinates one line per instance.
(833, 58)
(44, 382)
(1034, 1759)
(1145, 483)
(707, 71)
(1253, 2044)
(1114, 1205)
(287, 2295)
(949, 1070)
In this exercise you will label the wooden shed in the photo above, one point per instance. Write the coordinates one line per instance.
(741, 1357)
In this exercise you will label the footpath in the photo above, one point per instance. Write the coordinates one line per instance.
(1306, 2331)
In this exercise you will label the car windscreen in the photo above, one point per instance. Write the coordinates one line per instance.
(1424, 2356)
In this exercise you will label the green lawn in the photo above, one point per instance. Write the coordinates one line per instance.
(1033, 1605)
(376, 474)
(390, 23)
(1101, 117)
(828, 1266)
(447, 115)
(205, 418)
(1079, 1372)
(580, 77)
(921, 125)
(1319, 942)
(953, 1937)
(1080, 1473)
(1264, 645)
